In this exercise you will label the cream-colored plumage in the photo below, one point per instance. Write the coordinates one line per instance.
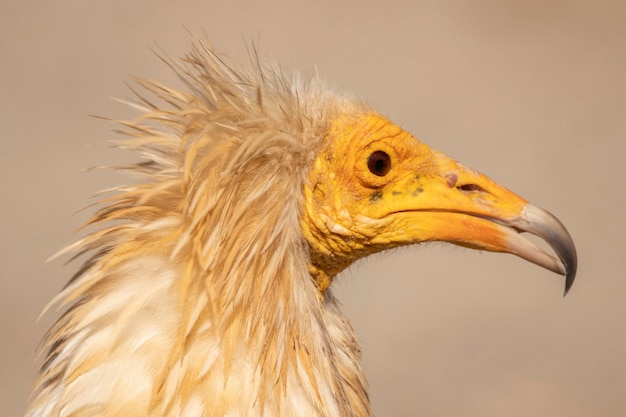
(170, 317)
(206, 290)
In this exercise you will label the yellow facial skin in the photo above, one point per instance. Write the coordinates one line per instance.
(351, 211)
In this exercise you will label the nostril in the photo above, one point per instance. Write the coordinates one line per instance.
(468, 188)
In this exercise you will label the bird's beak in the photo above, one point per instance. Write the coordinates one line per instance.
(455, 204)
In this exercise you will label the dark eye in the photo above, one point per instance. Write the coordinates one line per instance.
(379, 163)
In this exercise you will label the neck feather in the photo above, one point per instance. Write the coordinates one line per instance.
(198, 300)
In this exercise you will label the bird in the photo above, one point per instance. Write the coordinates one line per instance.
(206, 286)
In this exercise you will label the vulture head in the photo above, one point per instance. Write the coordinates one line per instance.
(206, 286)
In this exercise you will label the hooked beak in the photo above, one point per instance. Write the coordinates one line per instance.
(542, 224)
(458, 205)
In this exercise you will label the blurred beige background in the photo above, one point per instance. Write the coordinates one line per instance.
(532, 93)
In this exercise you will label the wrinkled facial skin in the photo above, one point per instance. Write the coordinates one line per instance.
(374, 186)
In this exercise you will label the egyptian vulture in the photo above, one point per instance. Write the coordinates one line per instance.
(206, 289)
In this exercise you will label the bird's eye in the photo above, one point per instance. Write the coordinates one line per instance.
(379, 163)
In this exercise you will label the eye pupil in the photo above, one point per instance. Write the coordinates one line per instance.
(379, 163)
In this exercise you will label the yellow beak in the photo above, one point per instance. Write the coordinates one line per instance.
(455, 204)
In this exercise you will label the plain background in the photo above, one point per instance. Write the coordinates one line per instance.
(532, 93)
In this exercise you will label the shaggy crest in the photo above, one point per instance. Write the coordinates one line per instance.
(217, 225)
